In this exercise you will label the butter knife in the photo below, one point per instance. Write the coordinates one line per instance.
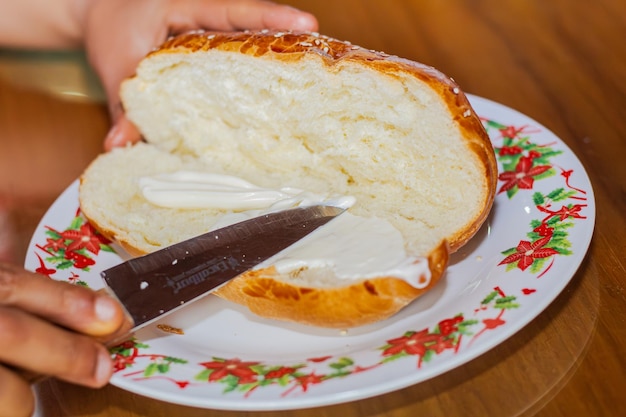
(154, 285)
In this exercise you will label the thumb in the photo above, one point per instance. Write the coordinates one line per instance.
(114, 54)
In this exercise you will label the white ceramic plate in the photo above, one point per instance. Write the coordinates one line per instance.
(526, 253)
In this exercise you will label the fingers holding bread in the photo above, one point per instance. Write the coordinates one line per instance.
(311, 119)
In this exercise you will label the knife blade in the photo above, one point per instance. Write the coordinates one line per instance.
(154, 285)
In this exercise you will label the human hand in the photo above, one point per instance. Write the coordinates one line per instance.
(44, 328)
(119, 33)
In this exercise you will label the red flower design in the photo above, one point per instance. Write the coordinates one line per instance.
(320, 359)
(491, 324)
(128, 344)
(523, 175)
(442, 344)
(182, 384)
(567, 175)
(449, 326)
(412, 344)
(279, 373)
(43, 270)
(510, 150)
(234, 367)
(511, 131)
(527, 252)
(564, 212)
(80, 261)
(544, 230)
(311, 379)
(73, 278)
(121, 362)
(54, 244)
(84, 238)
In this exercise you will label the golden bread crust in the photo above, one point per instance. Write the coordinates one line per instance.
(364, 302)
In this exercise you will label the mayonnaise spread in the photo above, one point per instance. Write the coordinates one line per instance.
(352, 247)
(188, 189)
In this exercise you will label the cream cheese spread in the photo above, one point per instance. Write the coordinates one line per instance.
(188, 189)
(352, 247)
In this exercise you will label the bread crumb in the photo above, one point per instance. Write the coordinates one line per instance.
(170, 329)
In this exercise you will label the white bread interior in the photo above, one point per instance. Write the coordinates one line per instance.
(309, 112)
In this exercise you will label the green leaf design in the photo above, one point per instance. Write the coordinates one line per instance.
(538, 199)
(506, 303)
(203, 375)
(231, 383)
(163, 368)
(560, 194)
(106, 248)
(150, 370)
(511, 192)
(538, 265)
(76, 223)
(547, 174)
(494, 124)
(342, 363)
(247, 387)
(395, 357)
(465, 325)
(65, 264)
(262, 369)
(428, 355)
(492, 295)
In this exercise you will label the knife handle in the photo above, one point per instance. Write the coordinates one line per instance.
(119, 336)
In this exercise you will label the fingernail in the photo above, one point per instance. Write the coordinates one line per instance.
(113, 138)
(106, 308)
(104, 368)
(303, 21)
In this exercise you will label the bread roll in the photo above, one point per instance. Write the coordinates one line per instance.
(306, 112)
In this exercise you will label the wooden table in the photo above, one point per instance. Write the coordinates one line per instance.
(561, 62)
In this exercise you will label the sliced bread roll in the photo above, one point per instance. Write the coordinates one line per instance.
(307, 112)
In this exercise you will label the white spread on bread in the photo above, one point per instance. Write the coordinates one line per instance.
(193, 189)
(353, 247)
